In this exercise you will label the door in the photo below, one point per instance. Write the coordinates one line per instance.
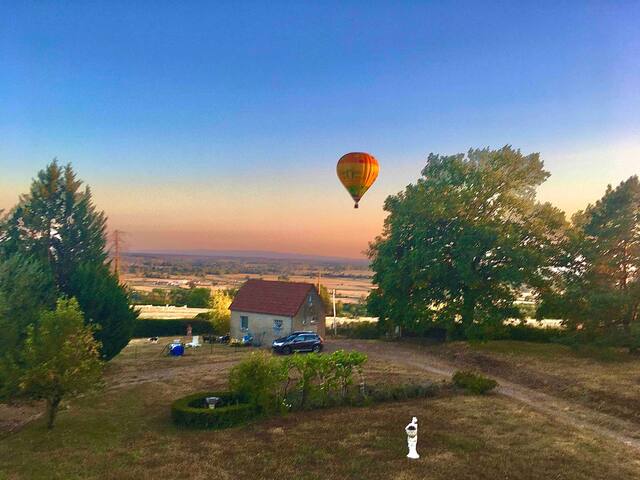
(307, 342)
(298, 344)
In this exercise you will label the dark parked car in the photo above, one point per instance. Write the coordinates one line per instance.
(298, 342)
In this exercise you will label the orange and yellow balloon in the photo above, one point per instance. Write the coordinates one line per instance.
(357, 171)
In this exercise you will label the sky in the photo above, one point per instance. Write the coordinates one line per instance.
(218, 125)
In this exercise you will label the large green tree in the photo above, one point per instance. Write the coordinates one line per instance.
(458, 243)
(598, 293)
(57, 225)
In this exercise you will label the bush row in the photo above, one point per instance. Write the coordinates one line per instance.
(167, 328)
(191, 411)
(362, 330)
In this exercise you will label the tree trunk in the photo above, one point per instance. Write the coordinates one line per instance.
(52, 410)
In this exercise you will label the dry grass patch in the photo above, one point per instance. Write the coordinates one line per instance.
(127, 434)
(606, 380)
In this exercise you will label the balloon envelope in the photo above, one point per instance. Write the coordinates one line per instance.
(357, 171)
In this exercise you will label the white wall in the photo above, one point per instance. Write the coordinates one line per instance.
(260, 326)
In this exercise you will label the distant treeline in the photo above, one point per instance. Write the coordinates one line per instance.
(195, 297)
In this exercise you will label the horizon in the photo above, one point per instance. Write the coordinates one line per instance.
(219, 127)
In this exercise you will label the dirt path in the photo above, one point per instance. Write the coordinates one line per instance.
(555, 408)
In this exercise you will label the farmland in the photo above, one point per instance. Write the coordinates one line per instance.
(351, 279)
(125, 432)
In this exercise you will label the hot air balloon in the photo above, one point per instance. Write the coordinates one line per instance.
(357, 171)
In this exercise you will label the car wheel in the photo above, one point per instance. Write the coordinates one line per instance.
(317, 348)
(286, 350)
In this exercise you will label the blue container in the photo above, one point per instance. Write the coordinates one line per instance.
(176, 349)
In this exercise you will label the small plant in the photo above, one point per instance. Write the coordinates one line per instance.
(473, 382)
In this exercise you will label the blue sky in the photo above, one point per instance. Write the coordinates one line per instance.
(220, 120)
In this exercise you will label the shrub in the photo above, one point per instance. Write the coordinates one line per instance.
(168, 328)
(342, 366)
(362, 330)
(191, 411)
(259, 379)
(473, 382)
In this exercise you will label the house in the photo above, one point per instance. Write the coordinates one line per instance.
(271, 309)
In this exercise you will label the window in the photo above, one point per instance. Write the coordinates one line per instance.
(244, 322)
(277, 324)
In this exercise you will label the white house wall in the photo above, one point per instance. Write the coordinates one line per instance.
(260, 326)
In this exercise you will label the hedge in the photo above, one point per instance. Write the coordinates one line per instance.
(190, 411)
(362, 330)
(168, 328)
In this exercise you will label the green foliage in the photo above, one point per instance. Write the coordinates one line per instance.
(327, 300)
(220, 313)
(259, 378)
(61, 357)
(25, 289)
(363, 330)
(321, 377)
(57, 226)
(597, 290)
(105, 304)
(530, 333)
(299, 381)
(354, 310)
(308, 367)
(145, 328)
(458, 243)
(473, 382)
(191, 411)
(194, 297)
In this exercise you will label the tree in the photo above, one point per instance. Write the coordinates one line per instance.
(458, 243)
(61, 358)
(57, 225)
(220, 314)
(598, 293)
(105, 303)
(25, 289)
(325, 296)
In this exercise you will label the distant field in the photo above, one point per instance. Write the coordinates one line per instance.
(348, 290)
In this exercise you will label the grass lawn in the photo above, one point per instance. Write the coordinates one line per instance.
(125, 432)
(606, 379)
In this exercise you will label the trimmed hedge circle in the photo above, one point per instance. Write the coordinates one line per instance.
(192, 412)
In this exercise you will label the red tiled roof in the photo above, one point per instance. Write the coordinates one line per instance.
(272, 297)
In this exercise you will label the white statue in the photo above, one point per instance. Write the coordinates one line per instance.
(412, 438)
